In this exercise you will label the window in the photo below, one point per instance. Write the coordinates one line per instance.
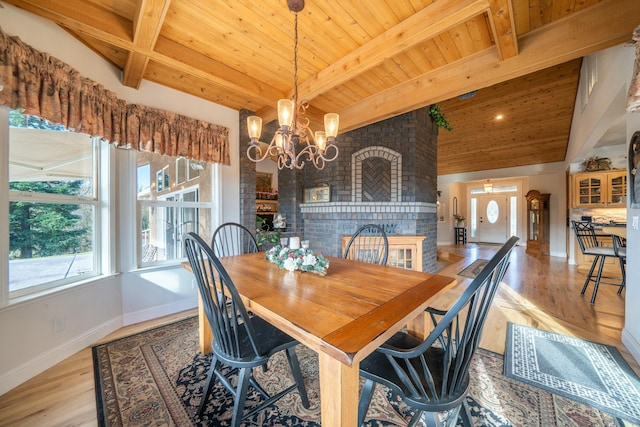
(513, 217)
(172, 207)
(474, 216)
(53, 205)
(181, 170)
(494, 189)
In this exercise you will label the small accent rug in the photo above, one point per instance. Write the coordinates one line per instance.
(155, 378)
(588, 372)
(473, 269)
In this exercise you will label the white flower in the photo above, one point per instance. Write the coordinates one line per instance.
(309, 260)
(289, 264)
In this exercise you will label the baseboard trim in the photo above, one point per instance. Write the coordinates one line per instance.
(632, 344)
(37, 365)
(559, 254)
(159, 311)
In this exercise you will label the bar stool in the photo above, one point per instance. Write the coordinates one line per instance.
(590, 246)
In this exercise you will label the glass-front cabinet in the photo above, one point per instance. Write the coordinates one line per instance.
(537, 223)
(600, 189)
(617, 188)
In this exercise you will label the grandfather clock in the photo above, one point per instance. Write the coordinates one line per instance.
(537, 223)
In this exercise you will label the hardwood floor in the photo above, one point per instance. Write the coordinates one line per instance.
(543, 292)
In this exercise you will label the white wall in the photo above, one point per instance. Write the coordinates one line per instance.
(544, 178)
(607, 100)
(28, 343)
(631, 331)
(604, 106)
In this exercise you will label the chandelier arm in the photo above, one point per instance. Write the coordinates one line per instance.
(254, 153)
(318, 162)
(327, 149)
(309, 151)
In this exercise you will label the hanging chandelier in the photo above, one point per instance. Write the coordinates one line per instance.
(294, 143)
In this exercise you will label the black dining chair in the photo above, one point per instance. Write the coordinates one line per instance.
(620, 248)
(232, 238)
(432, 375)
(590, 246)
(240, 341)
(368, 244)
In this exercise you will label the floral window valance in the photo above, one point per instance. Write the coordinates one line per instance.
(39, 84)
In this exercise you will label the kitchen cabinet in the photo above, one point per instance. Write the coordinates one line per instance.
(600, 189)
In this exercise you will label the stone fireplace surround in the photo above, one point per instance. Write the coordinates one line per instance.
(400, 154)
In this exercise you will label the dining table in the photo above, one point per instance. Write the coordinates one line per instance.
(615, 230)
(343, 315)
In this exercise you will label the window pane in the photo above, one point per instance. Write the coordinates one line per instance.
(473, 216)
(41, 160)
(181, 170)
(493, 211)
(144, 181)
(163, 230)
(49, 242)
(514, 216)
(172, 206)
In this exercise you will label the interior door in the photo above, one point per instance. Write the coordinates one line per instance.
(491, 218)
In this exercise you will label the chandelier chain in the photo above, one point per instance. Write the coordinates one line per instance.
(295, 60)
(294, 143)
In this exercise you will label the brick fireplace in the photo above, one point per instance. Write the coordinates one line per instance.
(385, 174)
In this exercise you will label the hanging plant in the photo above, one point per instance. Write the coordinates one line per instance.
(438, 117)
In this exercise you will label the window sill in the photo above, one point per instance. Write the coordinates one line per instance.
(159, 267)
(29, 298)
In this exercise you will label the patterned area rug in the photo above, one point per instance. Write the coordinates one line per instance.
(591, 373)
(155, 378)
(473, 269)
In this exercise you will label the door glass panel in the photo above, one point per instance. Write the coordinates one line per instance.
(474, 219)
(493, 211)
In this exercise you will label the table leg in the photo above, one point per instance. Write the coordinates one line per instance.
(204, 330)
(339, 389)
(420, 326)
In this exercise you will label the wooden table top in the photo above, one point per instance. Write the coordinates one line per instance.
(347, 313)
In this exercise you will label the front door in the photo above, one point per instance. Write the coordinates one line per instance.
(490, 218)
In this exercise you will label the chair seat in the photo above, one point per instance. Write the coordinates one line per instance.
(622, 252)
(600, 251)
(268, 336)
(378, 368)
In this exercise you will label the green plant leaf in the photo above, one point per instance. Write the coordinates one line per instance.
(438, 117)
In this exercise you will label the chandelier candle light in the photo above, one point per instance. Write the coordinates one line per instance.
(294, 143)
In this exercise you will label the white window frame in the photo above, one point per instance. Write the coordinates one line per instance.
(99, 201)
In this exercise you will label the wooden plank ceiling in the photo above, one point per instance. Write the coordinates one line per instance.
(370, 60)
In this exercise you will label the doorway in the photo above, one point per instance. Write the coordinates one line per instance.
(490, 218)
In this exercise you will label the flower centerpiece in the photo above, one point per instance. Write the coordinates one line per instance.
(298, 259)
(459, 220)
